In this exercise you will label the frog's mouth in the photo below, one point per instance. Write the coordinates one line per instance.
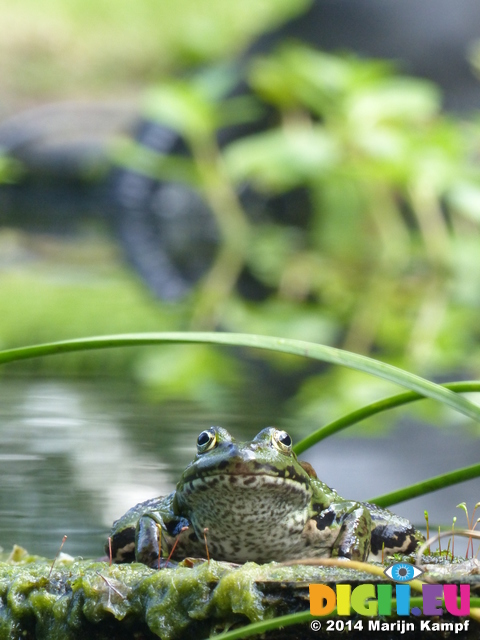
(234, 489)
(247, 479)
(247, 473)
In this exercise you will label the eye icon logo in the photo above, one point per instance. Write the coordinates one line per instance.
(402, 572)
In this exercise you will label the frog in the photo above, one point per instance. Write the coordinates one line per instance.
(255, 501)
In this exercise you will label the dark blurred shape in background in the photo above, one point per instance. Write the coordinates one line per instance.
(432, 39)
(166, 230)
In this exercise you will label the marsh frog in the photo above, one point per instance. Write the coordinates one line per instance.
(255, 501)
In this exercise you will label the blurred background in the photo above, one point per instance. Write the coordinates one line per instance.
(299, 169)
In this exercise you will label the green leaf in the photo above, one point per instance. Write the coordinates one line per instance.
(182, 107)
(141, 159)
(283, 158)
(196, 109)
(465, 198)
(395, 99)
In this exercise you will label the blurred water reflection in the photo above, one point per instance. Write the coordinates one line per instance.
(75, 455)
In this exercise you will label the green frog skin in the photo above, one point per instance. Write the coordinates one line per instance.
(255, 501)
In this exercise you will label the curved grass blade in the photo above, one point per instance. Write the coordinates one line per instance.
(427, 486)
(256, 628)
(411, 491)
(294, 347)
(372, 409)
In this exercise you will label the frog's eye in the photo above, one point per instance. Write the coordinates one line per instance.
(282, 441)
(206, 440)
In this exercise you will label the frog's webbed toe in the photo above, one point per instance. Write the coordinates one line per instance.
(147, 541)
(175, 533)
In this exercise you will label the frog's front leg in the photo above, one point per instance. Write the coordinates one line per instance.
(148, 539)
(348, 526)
(155, 536)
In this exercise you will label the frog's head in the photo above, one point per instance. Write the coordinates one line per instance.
(269, 454)
(257, 487)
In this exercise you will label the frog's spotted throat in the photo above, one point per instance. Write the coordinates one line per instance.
(259, 503)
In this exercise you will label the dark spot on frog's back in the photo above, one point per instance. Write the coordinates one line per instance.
(393, 538)
(174, 527)
(324, 519)
(120, 541)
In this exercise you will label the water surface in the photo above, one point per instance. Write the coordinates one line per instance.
(76, 455)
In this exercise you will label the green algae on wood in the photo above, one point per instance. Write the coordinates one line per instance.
(92, 599)
(87, 599)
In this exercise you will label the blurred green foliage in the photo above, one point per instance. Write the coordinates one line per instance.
(10, 169)
(379, 254)
(113, 48)
(387, 262)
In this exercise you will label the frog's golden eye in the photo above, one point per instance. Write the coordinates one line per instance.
(206, 440)
(282, 441)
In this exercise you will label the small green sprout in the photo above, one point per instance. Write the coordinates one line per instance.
(470, 523)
